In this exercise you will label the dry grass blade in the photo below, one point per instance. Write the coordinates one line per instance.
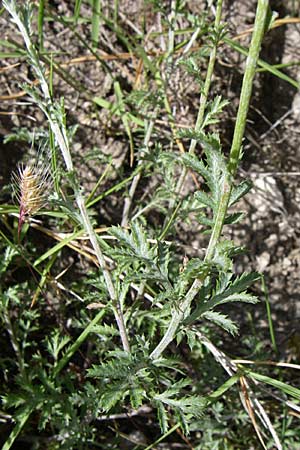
(255, 405)
(249, 408)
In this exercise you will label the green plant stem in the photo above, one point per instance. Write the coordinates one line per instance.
(178, 315)
(209, 74)
(137, 177)
(204, 92)
(116, 12)
(236, 146)
(18, 427)
(182, 310)
(108, 280)
(60, 134)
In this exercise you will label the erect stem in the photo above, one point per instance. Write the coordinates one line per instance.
(234, 157)
(251, 63)
(240, 125)
(179, 313)
(204, 91)
(108, 280)
(137, 177)
(209, 74)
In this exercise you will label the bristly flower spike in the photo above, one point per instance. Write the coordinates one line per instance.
(31, 184)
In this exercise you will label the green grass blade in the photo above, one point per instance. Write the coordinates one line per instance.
(16, 51)
(8, 242)
(169, 222)
(96, 5)
(57, 214)
(41, 15)
(57, 247)
(7, 55)
(54, 168)
(17, 429)
(66, 22)
(114, 110)
(115, 188)
(269, 315)
(282, 66)
(130, 42)
(51, 137)
(170, 431)
(64, 74)
(51, 76)
(79, 341)
(224, 387)
(7, 44)
(284, 425)
(284, 387)
(43, 279)
(116, 12)
(262, 64)
(105, 172)
(9, 209)
(77, 11)
(124, 116)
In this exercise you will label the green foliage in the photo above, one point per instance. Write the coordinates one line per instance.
(215, 173)
(72, 375)
(146, 262)
(121, 377)
(213, 111)
(225, 291)
(184, 407)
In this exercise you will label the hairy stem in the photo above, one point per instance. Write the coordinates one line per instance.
(240, 125)
(108, 280)
(180, 313)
